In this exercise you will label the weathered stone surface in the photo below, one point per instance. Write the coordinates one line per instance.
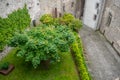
(37, 7)
(117, 3)
(112, 32)
(117, 46)
(32, 6)
(102, 60)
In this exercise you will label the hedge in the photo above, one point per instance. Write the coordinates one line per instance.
(77, 51)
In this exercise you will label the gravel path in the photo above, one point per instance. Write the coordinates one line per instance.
(102, 61)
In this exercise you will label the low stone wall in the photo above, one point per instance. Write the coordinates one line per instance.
(5, 52)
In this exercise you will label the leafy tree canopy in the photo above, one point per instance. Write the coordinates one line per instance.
(43, 43)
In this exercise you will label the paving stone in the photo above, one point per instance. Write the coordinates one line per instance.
(102, 60)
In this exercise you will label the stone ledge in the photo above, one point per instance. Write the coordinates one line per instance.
(117, 47)
(5, 52)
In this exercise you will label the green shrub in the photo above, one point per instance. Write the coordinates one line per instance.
(67, 19)
(47, 19)
(4, 65)
(76, 24)
(19, 39)
(56, 22)
(43, 43)
(79, 58)
(1, 42)
(17, 21)
(70, 21)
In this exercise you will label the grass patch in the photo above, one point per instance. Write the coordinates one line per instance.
(65, 70)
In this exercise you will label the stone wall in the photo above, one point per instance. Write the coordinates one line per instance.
(69, 6)
(78, 9)
(38, 7)
(48, 7)
(7, 6)
(111, 28)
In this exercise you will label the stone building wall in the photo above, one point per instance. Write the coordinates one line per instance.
(78, 9)
(8, 6)
(38, 7)
(69, 6)
(110, 25)
(48, 7)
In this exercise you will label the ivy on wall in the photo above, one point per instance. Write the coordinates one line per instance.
(17, 21)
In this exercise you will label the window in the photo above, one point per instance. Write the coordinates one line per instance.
(37, 3)
(63, 7)
(7, 4)
(95, 17)
(55, 12)
(109, 19)
(30, 7)
(97, 5)
(34, 23)
(72, 4)
(60, 14)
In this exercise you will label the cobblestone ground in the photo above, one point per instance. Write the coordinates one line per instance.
(102, 61)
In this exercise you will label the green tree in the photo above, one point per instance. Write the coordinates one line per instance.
(43, 43)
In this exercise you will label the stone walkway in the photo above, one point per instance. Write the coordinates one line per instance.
(102, 61)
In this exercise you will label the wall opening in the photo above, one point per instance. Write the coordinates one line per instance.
(55, 12)
(37, 3)
(109, 19)
(82, 7)
(72, 4)
(97, 5)
(34, 23)
(7, 4)
(95, 17)
(60, 15)
(63, 7)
